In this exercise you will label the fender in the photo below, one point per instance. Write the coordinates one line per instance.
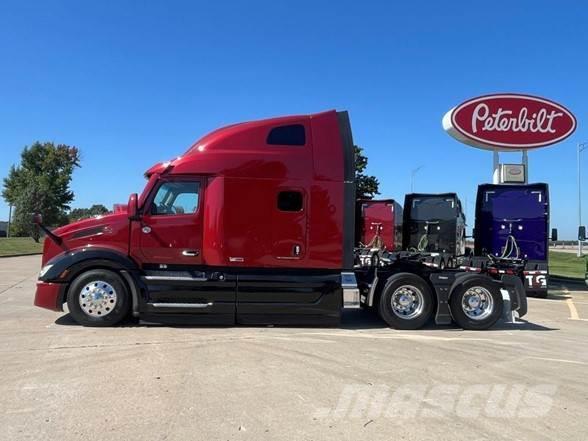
(511, 283)
(461, 278)
(444, 284)
(65, 267)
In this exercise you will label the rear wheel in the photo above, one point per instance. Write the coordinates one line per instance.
(406, 302)
(476, 304)
(98, 298)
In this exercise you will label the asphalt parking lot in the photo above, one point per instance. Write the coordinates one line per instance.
(527, 381)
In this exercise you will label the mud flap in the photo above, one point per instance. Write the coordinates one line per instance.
(517, 300)
(442, 282)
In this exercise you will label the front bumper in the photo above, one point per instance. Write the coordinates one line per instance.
(48, 295)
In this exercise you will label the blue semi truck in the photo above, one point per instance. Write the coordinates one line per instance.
(512, 221)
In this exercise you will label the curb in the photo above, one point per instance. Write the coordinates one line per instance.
(20, 255)
(563, 279)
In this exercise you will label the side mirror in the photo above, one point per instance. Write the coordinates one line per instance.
(554, 234)
(37, 219)
(133, 207)
(582, 233)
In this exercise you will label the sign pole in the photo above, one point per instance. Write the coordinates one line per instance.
(526, 166)
(496, 168)
(581, 147)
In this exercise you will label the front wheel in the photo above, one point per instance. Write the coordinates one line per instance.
(406, 302)
(476, 304)
(98, 298)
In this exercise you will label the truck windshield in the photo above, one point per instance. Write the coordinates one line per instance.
(515, 203)
(433, 208)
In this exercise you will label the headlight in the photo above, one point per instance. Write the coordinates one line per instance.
(44, 270)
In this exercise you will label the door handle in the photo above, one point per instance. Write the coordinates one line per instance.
(191, 253)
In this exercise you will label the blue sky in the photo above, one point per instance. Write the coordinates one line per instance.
(134, 83)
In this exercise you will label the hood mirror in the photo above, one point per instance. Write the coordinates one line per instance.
(38, 223)
(133, 207)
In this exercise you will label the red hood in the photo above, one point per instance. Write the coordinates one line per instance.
(106, 219)
(108, 231)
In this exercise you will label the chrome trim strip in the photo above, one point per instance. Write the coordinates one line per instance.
(176, 278)
(180, 305)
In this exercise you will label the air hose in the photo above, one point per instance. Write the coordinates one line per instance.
(376, 242)
(510, 246)
(423, 242)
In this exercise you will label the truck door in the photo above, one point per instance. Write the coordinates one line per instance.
(169, 238)
(171, 227)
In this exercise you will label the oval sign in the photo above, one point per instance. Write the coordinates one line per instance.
(509, 121)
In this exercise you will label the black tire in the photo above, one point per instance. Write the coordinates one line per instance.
(109, 315)
(387, 312)
(483, 321)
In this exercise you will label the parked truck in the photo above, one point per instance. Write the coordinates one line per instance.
(512, 221)
(434, 223)
(378, 224)
(255, 224)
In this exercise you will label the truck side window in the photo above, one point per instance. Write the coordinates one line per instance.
(179, 197)
(290, 201)
(292, 134)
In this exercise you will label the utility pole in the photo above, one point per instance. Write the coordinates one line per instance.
(581, 147)
(412, 174)
(9, 219)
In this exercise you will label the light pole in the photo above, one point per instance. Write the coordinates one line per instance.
(581, 147)
(9, 220)
(412, 174)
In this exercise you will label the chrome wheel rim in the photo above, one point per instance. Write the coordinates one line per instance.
(477, 303)
(407, 302)
(97, 298)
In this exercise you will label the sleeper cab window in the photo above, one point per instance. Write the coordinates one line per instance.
(292, 135)
(290, 201)
(180, 197)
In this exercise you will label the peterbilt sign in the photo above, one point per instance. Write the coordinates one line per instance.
(509, 122)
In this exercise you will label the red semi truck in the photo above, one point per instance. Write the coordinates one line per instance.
(378, 224)
(253, 224)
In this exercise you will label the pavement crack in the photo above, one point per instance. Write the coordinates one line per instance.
(17, 283)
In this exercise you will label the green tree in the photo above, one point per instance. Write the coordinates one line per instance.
(366, 186)
(41, 184)
(84, 213)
